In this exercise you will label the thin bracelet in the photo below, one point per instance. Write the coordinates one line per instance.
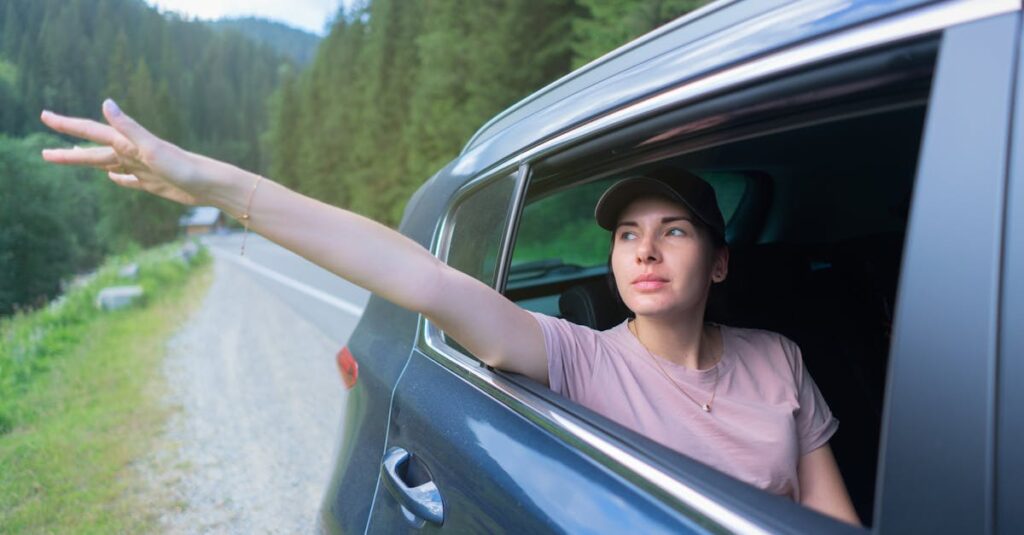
(245, 216)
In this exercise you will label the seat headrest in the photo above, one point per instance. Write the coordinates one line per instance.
(592, 304)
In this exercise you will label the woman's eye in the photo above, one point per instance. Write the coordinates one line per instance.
(676, 231)
(627, 236)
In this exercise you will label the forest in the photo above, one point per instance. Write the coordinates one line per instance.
(394, 90)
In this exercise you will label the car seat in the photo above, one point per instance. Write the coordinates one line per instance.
(593, 304)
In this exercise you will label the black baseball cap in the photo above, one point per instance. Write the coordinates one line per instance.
(675, 184)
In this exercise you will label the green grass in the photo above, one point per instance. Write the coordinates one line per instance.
(80, 403)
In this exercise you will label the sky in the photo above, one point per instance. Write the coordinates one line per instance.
(309, 15)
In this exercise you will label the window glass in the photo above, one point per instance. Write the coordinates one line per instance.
(561, 228)
(478, 225)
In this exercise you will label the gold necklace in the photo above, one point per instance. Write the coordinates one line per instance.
(706, 407)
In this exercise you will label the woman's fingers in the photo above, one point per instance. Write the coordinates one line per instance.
(123, 133)
(83, 128)
(103, 157)
(124, 124)
(132, 156)
(128, 181)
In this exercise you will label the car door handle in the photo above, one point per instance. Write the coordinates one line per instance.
(423, 501)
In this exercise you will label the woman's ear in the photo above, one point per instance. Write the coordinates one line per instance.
(720, 267)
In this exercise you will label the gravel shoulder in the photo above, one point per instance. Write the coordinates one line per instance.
(258, 406)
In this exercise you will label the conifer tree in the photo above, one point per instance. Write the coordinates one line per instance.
(10, 28)
(608, 24)
(119, 69)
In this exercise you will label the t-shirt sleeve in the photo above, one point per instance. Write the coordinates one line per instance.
(814, 421)
(571, 351)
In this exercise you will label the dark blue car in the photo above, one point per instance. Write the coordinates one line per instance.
(869, 159)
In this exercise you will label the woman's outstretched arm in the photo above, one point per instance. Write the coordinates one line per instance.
(354, 247)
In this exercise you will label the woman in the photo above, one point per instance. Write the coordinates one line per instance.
(737, 399)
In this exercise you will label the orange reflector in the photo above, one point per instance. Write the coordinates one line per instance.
(348, 367)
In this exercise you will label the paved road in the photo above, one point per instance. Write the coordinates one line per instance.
(322, 298)
(261, 399)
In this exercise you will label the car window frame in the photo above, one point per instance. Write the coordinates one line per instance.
(691, 494)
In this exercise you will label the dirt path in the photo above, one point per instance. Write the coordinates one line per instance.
(252, 446)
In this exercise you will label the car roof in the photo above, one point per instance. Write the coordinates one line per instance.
(709, 39)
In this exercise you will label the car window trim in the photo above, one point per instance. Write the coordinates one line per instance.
(512, 226)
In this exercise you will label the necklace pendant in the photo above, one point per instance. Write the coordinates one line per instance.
(706, 407)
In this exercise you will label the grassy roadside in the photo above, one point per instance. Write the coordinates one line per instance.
(80, 402)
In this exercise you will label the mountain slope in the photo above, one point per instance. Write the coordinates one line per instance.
(285, 40)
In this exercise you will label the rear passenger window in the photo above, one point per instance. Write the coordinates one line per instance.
(816, 210)
(475, 231)
(477, 226)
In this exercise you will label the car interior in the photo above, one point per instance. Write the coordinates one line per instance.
(816, 196)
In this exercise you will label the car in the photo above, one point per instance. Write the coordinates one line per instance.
(867, 156)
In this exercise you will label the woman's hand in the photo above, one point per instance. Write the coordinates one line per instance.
(131, 155)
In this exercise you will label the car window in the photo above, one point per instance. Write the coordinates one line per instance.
(820, 265)
(477, 226)
(559, 229)
(476, 229)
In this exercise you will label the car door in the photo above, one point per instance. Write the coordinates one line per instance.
(371, 365)
(1010, 401)
(939, 441)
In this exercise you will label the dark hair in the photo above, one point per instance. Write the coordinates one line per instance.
(715, 239)
(610, 277)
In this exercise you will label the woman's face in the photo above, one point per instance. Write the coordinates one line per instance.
(660, 262)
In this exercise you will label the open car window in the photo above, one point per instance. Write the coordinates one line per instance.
(816, 203)
(559, 241)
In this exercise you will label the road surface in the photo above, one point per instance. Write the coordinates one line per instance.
(261, 401)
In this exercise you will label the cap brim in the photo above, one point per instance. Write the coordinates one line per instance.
(617, 197)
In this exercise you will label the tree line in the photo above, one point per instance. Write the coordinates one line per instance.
(398, 87)
(204, 88)
(395, 89)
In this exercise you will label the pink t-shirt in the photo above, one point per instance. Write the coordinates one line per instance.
(766, 414)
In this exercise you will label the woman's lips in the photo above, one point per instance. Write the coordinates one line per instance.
(647, 283)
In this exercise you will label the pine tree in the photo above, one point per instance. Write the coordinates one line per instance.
(119, 69)
(608, 24)
(67, 55)
(140, 98)
(11, 30)
(391, 65)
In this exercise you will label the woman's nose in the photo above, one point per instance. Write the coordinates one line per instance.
(646, 251)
